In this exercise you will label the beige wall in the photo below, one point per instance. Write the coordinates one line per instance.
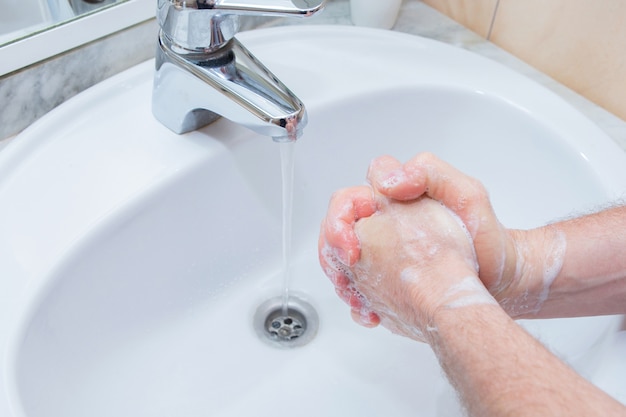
(581, 43)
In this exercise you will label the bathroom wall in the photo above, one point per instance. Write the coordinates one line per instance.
(580, 43)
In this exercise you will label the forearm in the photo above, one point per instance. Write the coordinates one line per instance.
(500, 370)
(573, 268)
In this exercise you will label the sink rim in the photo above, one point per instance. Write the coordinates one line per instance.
(256, 38)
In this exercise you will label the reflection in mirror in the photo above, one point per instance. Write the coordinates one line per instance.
(86, 6)
(26, 17)
(69, 34)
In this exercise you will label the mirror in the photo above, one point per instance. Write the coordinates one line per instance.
(30, 16)
(33, 30)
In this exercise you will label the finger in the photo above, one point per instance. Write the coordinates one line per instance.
(351, 297)
(334, 269)
(387, 175)
(360, 314)
(429, 175)
(365, 318)
(345, 208)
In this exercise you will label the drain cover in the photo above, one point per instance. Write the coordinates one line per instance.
(291, 327)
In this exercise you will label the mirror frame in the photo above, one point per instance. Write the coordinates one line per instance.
(65, 36)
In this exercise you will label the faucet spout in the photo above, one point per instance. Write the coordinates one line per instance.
(203, 72)
(192, 90)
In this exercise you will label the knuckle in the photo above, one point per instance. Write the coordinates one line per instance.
(476, 191)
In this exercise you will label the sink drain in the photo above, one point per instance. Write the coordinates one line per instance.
(294, 327)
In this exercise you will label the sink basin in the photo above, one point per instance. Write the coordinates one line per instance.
(133, 260)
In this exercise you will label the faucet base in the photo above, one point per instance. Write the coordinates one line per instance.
(194, 120)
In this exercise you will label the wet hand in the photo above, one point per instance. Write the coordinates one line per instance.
(426, 175)
(414, 258)
(339, 246)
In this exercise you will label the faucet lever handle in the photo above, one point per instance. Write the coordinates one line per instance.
(207, 25)
(302, 8)
(297, 8)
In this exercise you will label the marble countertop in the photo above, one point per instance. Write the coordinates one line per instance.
(419, 19)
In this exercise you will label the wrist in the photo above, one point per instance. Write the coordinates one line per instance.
(462, 296)
(448, 325)
(536, 260)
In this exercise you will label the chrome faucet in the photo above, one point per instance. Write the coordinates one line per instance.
(203, 71)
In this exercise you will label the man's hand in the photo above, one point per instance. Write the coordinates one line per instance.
(415, 258)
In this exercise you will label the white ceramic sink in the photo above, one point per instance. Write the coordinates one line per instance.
(132, 260)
